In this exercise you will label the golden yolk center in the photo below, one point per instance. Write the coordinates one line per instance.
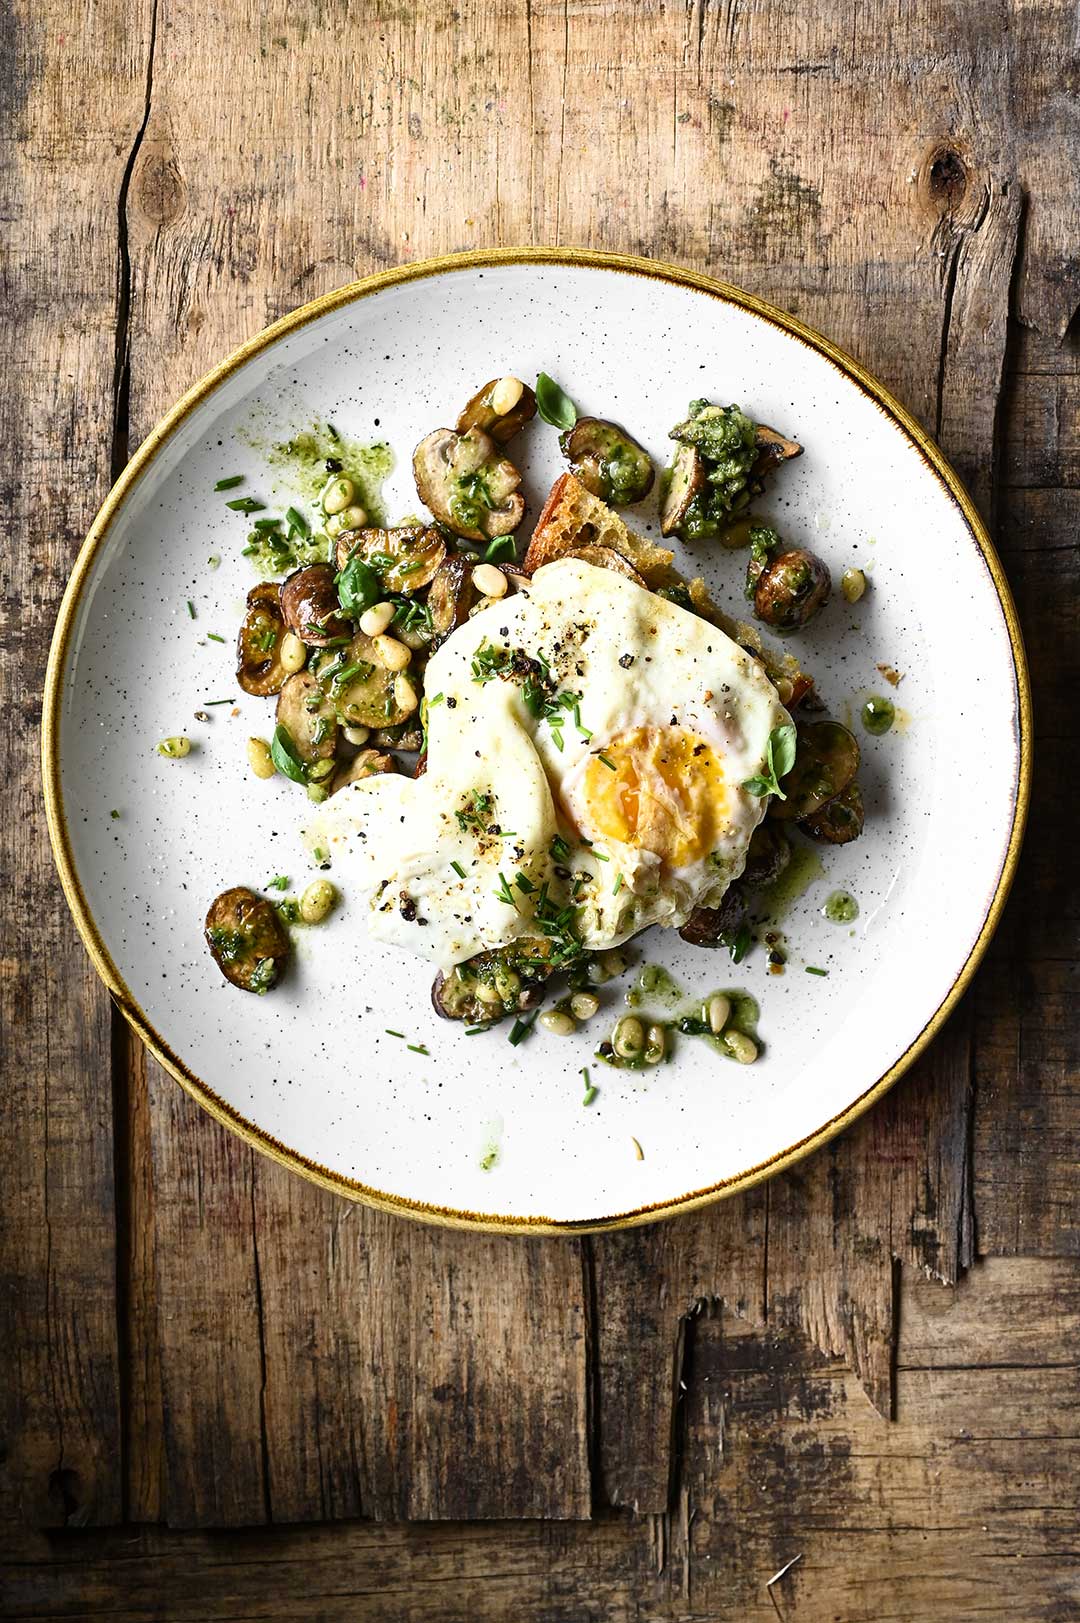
(663, 792)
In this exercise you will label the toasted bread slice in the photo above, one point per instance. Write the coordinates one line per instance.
(573, 518)
(577, 524)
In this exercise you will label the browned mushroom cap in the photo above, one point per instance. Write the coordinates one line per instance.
(501, 408)
(839, 820)
(362, 692)
(308, 717)
(248, 941)
(708, 926)
(467, 485)
(405, 559)
(605, 558)
(609, 463)
(685, 481)
(309, 602)
(258, 646)
(451, 597)
(790, 589)
(456, 995)
(367, 764)
(772, 449)
(826, 760)
(767, 855)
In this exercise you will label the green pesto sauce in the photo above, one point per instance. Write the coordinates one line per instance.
(654, 983)
(841, 908)
(877, 715)
(691, 1019)
(805, 867)
(301, 464)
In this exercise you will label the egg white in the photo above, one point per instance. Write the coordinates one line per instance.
(502, 784)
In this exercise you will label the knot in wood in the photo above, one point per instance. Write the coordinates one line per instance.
(946, 178)
(159, 189)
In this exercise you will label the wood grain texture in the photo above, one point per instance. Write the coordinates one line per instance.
(60, 1408)
(893, 175)
(964, 1507)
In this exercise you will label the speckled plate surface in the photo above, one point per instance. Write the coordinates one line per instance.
(477, 1131)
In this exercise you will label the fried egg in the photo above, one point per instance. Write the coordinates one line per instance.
(587, 747)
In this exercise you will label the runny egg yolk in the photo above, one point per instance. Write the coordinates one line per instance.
(663, 792)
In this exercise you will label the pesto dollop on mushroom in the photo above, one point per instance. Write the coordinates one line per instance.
(468, 485)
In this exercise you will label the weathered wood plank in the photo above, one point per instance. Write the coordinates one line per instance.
(963, 1508)
(320, 1361)
(62, 175)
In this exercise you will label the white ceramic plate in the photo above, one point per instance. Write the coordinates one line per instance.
(309, 1072)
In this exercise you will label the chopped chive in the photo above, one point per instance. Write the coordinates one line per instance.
(473, 1031)
(417, 1048)
(246, 504)
(600, 855)
(320, 855)
(214, 560)
(617, 886)
(458, 869)
(556, 739)
(280, 881)
(114, 814)
(230, 483)
(590, 1090)
(810, 970)
(504, 893)
(296, 521)
(213, 637)
(607, 762)
(559, 848)
(218, 701)
(390, 1033)
(438, 699)
(523, 884)
(265, 523)
(191, 608)
(521, 1028)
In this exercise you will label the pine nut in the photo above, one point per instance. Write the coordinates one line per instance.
(260, 760)
(628, 1038)
(489, 580)
(559, 1024)
(853, 584)
(353, 518)
(740, 1047)
(487, 994)
(389, 653)
(317, 901)
(374, 621)
(719, 1012)
(338, 495)
(292, 653)
(356, 735)
(174, 749)
(613, 962)
(583, 1005)
(505, 395)
(405, 694)
(655, 1045)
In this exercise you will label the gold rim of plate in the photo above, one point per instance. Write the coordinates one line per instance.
(99, 530)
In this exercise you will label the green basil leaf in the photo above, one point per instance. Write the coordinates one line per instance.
(285, 756)
(358, 587)
(782, 742)
(554, 406)
(503, 550)
(758, 786)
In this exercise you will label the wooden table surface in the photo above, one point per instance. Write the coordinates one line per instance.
(870, 1363)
